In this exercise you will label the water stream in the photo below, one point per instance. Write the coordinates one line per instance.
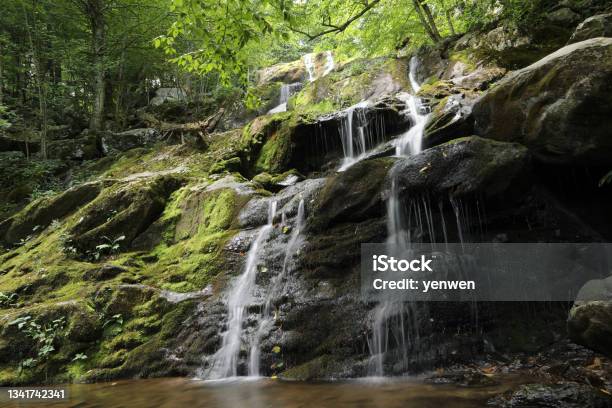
(285, 93)
(225, 360)
(394, 324)
(275, 290)
(412, 140)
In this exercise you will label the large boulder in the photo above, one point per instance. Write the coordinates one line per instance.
(590, 319)
(163, 95)
(83, 148)
(462, 167)
(559, 106)
(595, 26)
(450, 119)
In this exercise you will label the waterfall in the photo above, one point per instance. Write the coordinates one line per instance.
(357, 134)
(394, 323)
(411, 141)
(276, 288)
(311, 69)
(285, 93)
(329, 63)
(225, 361)
(310, 66)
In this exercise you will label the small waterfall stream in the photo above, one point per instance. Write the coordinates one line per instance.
(225, 360)
(394, 323)
(411, 141)
(311, 68)
(285, 93)
(276, 287)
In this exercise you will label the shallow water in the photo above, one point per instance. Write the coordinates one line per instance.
(260, 393)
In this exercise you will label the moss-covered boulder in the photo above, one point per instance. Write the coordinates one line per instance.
(287, 72)
(559, 107)
(120, 213)
(39, 214)
(351, 83)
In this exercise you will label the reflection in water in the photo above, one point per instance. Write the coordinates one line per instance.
(260, 393)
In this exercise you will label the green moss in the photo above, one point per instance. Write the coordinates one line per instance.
(322, 367)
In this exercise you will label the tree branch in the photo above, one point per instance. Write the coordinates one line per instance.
(332, 28)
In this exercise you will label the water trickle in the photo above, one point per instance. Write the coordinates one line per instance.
(310, 66)
(411, 141)
(329, 63)
(285, 93)
(358, 134)
(394, 323)
(225, 360)
(275, 290)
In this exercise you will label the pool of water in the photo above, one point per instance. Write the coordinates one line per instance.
(260, 393)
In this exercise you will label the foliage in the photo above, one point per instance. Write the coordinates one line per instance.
(9, 299)
(43, 334)
(110, 246)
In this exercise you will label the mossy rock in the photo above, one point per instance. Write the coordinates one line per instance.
(543, 106)
(324, 367)
(353, 195)
(123, 210)
(44, 210)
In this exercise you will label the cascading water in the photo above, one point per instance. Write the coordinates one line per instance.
(276, 288)
(411, 141)
(285, 93)
(390, 318)
(310, 66)
(225, 360)
(358, 134)
(329, 63)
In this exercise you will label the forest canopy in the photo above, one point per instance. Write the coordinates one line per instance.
(92, 62)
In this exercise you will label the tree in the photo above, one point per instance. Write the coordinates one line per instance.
(95, 11)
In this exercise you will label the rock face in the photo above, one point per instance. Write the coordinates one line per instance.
(559, 107)
(596, 26)
(462, 167)
(124, 211)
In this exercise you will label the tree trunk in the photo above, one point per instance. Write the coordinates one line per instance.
(432, 22)
(1, 74)
(95, 11)
(424, 23)
(41, 86)
(449, 20)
